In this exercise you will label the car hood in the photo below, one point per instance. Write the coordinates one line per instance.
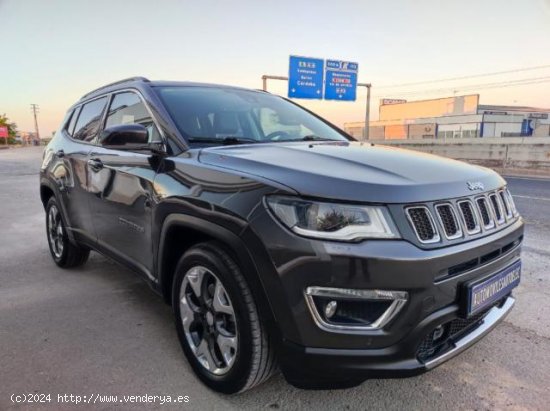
(354, 171)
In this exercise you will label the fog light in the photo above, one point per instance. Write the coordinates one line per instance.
(353, 310)
(330, 309)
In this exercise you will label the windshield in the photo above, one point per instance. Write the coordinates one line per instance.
(210, 115)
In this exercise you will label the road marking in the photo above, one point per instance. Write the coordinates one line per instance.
(532, 198)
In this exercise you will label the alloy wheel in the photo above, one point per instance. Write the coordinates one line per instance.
(55, 231)
(209, 320)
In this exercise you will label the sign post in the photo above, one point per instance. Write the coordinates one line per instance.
(311, 78)
(366, 135)
(4, 133)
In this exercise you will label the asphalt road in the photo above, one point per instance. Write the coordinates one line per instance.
(101, 330)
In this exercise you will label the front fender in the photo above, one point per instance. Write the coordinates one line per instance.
(235, 246)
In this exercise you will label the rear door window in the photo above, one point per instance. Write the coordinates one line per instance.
(89, 119)
(74, 116)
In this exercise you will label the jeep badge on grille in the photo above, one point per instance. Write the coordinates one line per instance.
(475, 185)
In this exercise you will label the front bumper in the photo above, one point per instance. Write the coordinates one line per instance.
(288, 265)
(324, 367)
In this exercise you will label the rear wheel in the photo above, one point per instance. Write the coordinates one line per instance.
(218, 323)
(64, 253)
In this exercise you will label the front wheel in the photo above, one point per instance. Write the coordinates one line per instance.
(64, 253)
(217, 321)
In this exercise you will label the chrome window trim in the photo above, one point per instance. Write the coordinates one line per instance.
(453, 212)
(436, 237)
(398, 298)
(110, 96)
(473, 208)
(80, 105)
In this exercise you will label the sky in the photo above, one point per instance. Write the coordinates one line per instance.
(55, 51)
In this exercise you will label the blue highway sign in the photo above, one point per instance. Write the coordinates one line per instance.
(341, 80)
(305, 77)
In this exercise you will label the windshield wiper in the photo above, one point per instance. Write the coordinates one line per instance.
(229, 140)
(310, 137)
(313, 137)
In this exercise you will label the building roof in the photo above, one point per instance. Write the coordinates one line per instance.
(512, 108)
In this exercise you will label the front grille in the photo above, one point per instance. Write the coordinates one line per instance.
(448, 220)
(423, 224)
(461, 218)
(431, 346)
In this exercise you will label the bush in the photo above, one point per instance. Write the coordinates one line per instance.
(11, 140)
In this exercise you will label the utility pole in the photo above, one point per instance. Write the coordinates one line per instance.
(35, 109)
(366, 134)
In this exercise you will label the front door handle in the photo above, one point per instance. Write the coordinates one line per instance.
(60, 153)
(95, 164)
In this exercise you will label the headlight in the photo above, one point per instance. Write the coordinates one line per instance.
(333, 221)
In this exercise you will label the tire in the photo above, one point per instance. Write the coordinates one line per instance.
(64, 253)
(214, 307)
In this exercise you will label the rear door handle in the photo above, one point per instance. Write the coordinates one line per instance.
(95, 164)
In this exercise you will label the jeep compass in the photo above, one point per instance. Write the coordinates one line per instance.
(279, 240)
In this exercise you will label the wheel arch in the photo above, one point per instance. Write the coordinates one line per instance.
(180, 232)
(46, 192)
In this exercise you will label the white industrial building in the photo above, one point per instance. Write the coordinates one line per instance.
(453, 117)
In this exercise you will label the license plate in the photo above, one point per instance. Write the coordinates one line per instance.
(487, 292)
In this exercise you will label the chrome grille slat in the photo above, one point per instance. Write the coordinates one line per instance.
(511, 202)
(496, 208)
(506, 205)
(447, 218)
(485, 213)
(469, 216)
(423, 224)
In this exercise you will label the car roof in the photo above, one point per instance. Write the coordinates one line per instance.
(142, 82)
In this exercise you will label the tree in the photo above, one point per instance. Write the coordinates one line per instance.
(12, 127)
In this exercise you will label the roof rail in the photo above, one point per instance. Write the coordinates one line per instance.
(138, 78)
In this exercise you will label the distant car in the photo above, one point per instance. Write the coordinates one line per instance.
(278, 239)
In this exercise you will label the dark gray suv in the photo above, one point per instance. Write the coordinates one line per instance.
(279, 240)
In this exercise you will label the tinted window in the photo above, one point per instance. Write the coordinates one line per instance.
(89, 119)
(74, 116)
(127, 108)
(216, 113)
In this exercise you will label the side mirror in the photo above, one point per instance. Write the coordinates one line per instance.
(124, 136)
